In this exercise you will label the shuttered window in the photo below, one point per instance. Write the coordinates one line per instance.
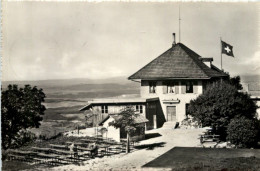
(152, 87)
(189, 87)
(170, 87)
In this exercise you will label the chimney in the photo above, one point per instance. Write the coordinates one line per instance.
(207, 61)
(174, 42)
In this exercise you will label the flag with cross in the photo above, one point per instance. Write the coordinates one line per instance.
(227, 49)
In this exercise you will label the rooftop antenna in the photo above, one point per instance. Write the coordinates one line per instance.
(179, 23)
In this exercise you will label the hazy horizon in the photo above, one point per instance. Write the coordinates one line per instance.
(56, 40)
(115, 78)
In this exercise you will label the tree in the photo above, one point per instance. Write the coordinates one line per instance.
(220, 103)
(21, 109)
(235, 81)
(243, 132)
(126, 121)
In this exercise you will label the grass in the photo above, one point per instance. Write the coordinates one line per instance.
(189, 158)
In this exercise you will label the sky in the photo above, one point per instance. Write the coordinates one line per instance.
(62, 40)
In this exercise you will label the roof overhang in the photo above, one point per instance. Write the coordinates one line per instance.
(255, 97)
(176, 78)
(112, 101)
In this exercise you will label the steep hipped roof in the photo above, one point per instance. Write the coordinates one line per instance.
(177, 62)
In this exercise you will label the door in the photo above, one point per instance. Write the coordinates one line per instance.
(150, 113)
(171, 113)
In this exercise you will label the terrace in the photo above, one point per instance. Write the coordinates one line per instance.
(65, 152)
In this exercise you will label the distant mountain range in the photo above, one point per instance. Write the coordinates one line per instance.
(250, 78)
(70, 82)
(111, 81)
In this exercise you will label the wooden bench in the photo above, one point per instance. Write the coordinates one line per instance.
(16, 157)
(208, 138)
(21, 155)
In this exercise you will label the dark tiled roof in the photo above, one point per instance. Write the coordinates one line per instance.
(177, 62)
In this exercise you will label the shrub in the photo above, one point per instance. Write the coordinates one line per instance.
(220, 103)
(190, 122)
(24, 137)
(243, 132)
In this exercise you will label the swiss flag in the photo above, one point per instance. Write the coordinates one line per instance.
(227, 49)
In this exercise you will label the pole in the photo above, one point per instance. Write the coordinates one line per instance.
(221, 52)
(179, 24)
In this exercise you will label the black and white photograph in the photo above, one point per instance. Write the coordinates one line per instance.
(130, 85)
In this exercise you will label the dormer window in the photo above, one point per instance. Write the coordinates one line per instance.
(152, 87)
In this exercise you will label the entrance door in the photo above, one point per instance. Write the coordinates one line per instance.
(171, 113)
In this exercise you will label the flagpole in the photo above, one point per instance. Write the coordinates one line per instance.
(221, 51)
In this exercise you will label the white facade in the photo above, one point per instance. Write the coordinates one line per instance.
(112, 132)
(179, 98)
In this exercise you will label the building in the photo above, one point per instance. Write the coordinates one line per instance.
(118, 134)
(176, 77)
(101, 108)
(168, 83)
(253, 89)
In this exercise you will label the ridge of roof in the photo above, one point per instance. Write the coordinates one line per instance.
(201, 64)
(193, 55)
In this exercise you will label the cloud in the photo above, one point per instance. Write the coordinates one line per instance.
(69, 40)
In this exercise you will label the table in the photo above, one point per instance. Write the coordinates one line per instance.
(53, 157)
(104, 147)
(22, 152)
(75, 143)
(41, 149)
(88, 140)
(71, 153)
(59, 146)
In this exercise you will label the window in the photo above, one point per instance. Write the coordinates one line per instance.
(170, 87)
(139, 108)
(104, 109)
(152, 87)
(189, 87)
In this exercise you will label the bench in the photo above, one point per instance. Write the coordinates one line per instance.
(16, 157)
(208, 138)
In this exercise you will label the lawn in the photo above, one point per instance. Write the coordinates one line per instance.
(191, 158)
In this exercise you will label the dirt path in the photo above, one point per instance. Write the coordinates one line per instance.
(163, 141)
